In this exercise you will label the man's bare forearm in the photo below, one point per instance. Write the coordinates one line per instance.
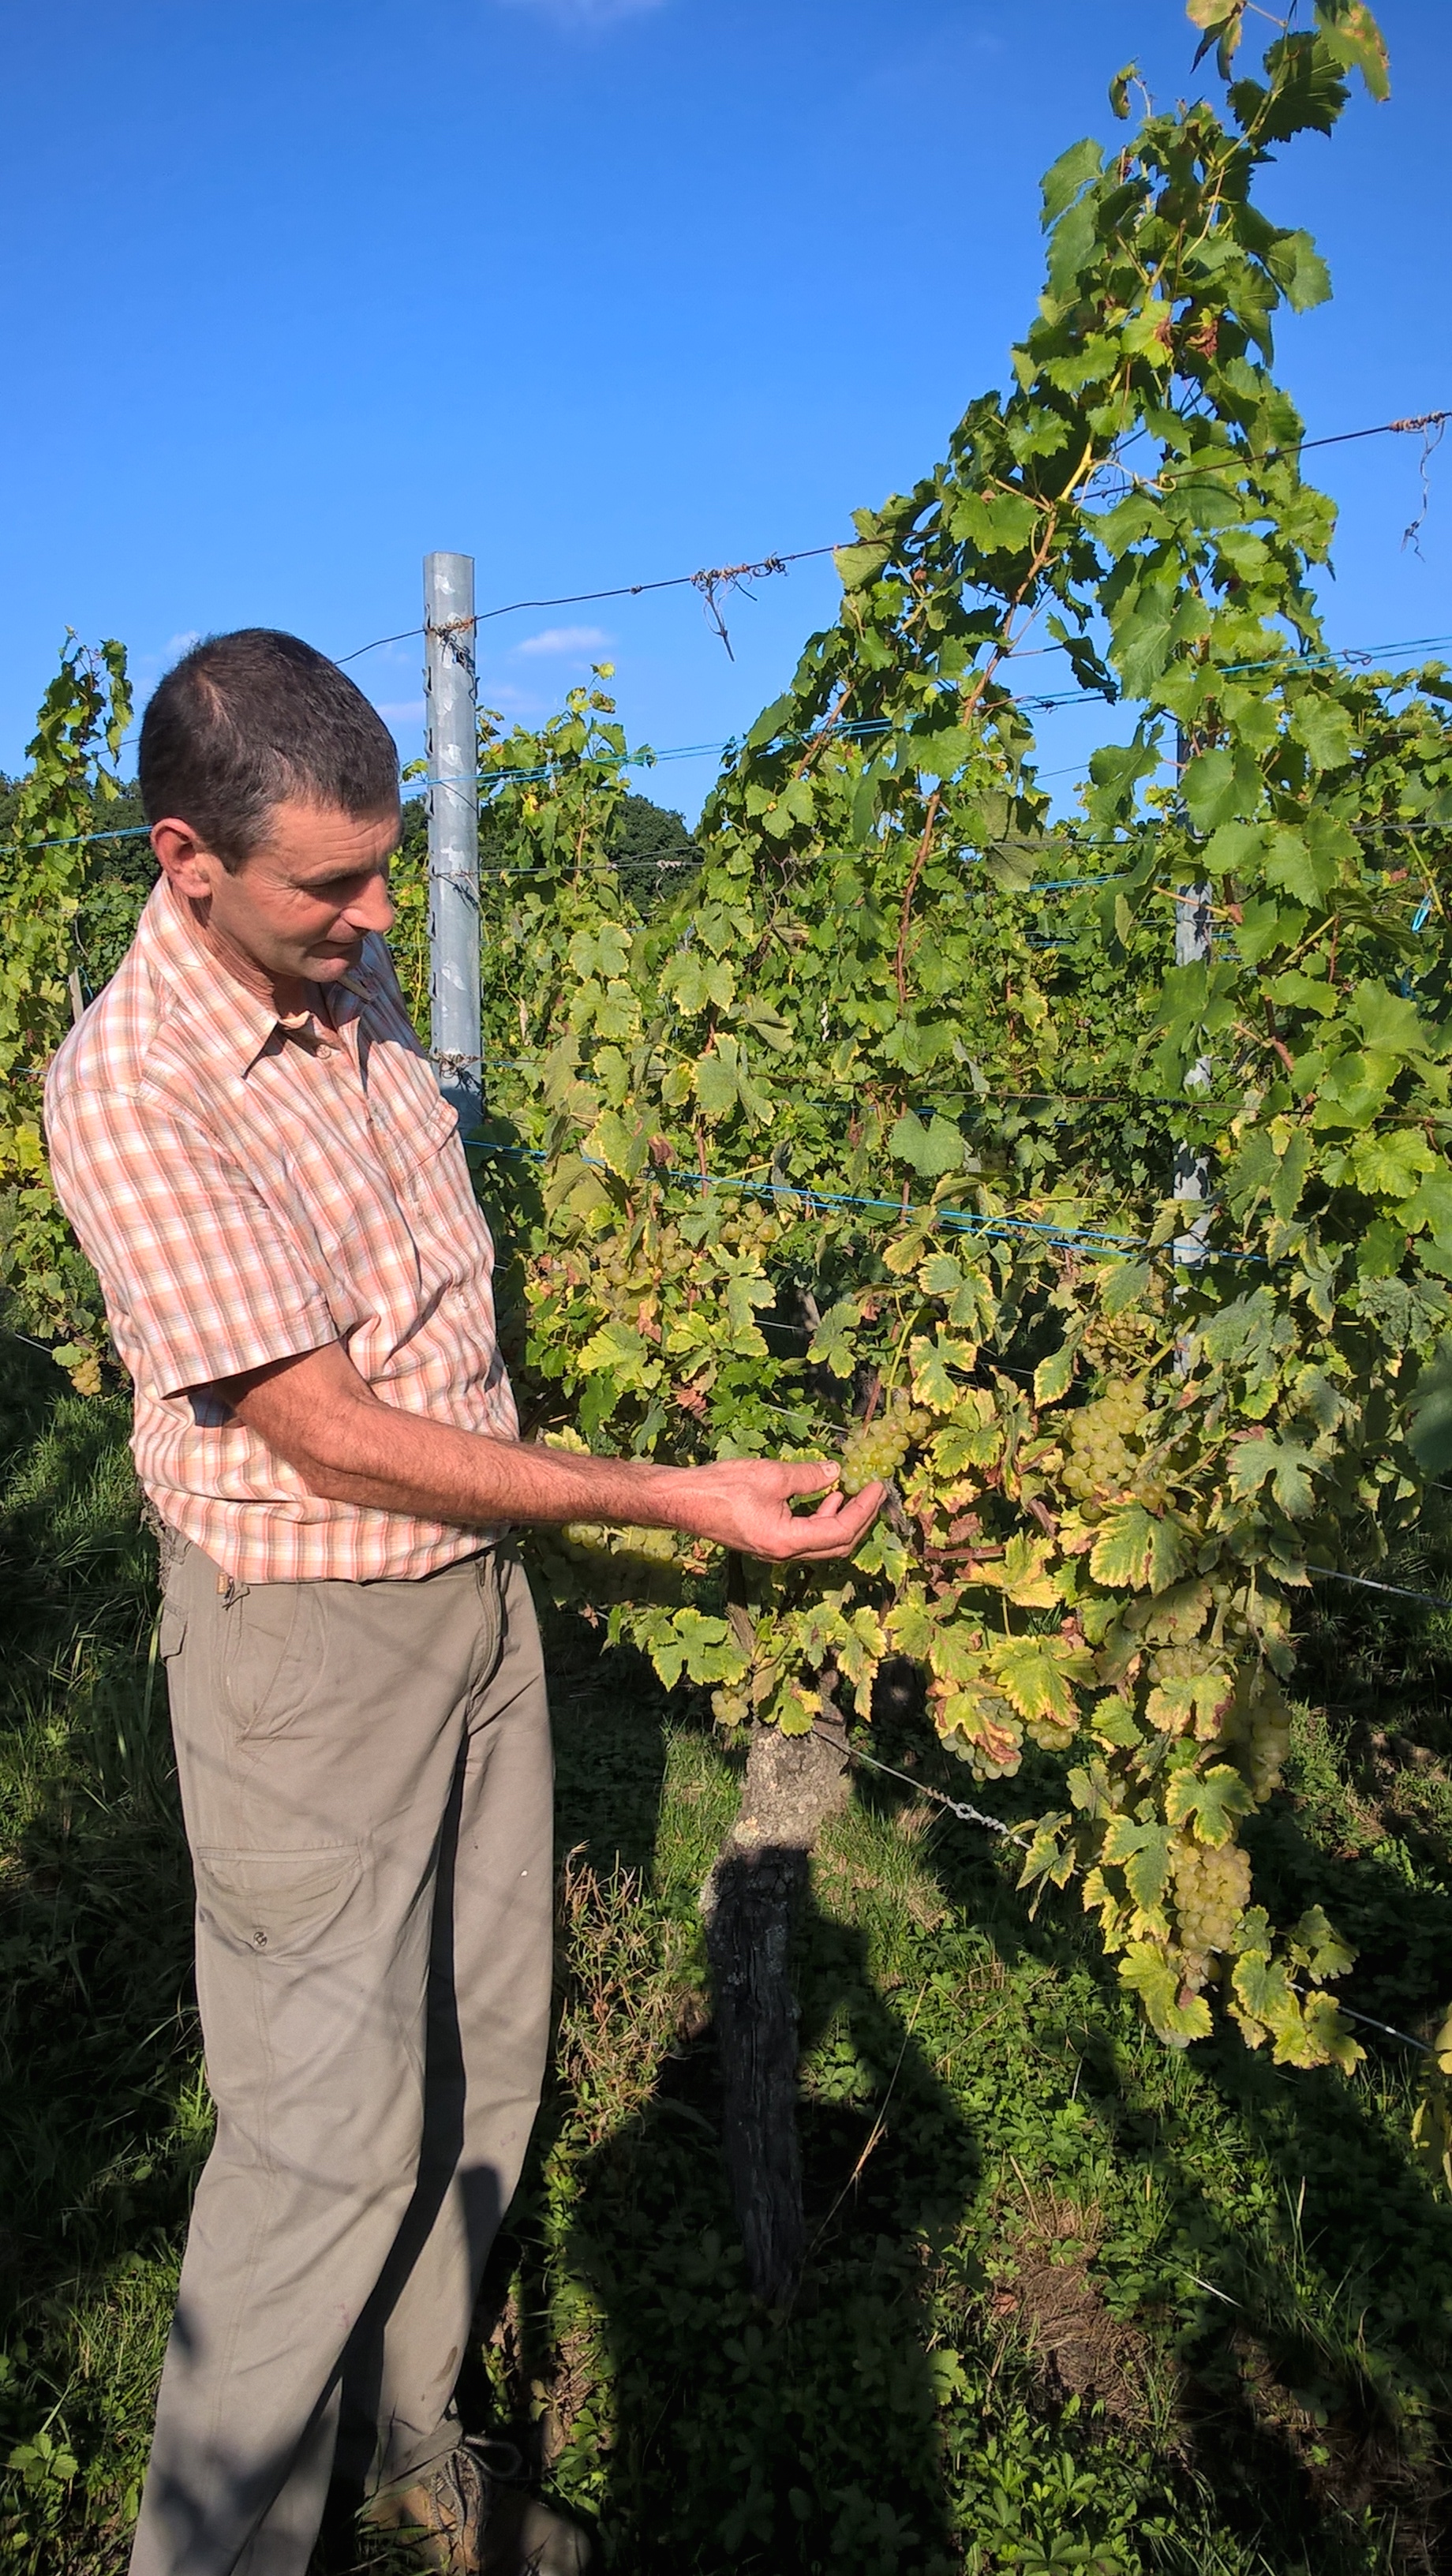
(401, 1462)
(317, 1413)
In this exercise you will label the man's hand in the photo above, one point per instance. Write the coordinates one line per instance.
(318, 1414)
(745, 1503)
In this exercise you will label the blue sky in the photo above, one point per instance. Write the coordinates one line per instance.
(598, 291)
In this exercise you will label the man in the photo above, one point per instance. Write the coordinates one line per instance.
(256, 1157)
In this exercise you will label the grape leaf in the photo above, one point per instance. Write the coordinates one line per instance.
(859, 565)
(1173, 2013)
(1038, 1674)
(1211, 1802)
(931, 1150)
(701, 1646)
(1319, 1949)
(1286, 1462)
(1054, 1376)
(619, 1347)
(1143, 1853)
(1351, 32)
(1136, 1549)
(1061, 184)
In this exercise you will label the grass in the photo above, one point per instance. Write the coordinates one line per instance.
(1072, 2301)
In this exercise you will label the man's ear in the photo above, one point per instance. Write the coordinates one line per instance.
(192, 869)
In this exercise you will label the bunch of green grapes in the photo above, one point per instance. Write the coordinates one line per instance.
(1258, 1727)
(874, 1451)
(1100, 1460)
(1100, 1464)
(1182, 1663)
(1270, 1737)
(1212, 1890)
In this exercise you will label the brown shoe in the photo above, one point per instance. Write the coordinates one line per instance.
(468, 2516)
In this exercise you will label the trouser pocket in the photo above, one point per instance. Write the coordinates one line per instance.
(278, 1904)
(272, 1651)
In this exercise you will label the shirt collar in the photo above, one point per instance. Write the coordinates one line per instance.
(233, 1020)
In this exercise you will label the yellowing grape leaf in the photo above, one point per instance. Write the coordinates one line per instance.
(1173, 2013)
(1038, 1675)
(1432, 2131)
(905, 1252)
(1143, 1853)
(1191, 1703)
(620, 1348)
(715, 1085)
(911, 1626)
(955, 1652)
(1023, 1573)
(798, 1709)
(940, 1275)
(859, 1644)
(982, 1719)
(1351, 32)
(1210, 1802)
(1262, 1988)
(932, 1362)
(700, 1646)
(1113, 1722)
(1327, 2039)
(1049, 1855)
(1137, 1549)
(965, 1444)
(1054, 1376)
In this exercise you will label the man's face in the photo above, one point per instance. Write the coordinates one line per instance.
(299, 907)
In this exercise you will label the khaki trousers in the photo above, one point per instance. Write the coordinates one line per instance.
(366, 1778)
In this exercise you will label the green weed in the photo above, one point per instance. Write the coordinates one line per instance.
(1073, 2302)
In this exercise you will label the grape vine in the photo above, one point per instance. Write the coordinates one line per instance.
(866, 1149)
(863, 1147)
(45, 864)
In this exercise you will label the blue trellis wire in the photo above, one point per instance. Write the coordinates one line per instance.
(858, 729)
(1092, 1239)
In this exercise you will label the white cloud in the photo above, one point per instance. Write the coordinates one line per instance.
(588, 13)
(407, 711)
(575, 640)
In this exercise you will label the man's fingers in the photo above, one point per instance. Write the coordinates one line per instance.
(835, 1527)
(808, 1475)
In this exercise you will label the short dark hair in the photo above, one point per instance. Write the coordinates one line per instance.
(243, 721)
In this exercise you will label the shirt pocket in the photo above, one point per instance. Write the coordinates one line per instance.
(276, 1904)
(438, 1194)
(273, 1651)
(431, 1136)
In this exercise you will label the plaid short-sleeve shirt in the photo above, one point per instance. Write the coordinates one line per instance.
(248, 1192)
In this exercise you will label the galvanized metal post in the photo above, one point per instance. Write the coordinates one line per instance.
(1194, 946)
(453, 807)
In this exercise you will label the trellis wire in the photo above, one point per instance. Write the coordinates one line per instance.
(859, 729)
(708, 581)
(1096, 1240)
(970, 1815)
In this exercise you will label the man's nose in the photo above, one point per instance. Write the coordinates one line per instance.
(374, 908)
